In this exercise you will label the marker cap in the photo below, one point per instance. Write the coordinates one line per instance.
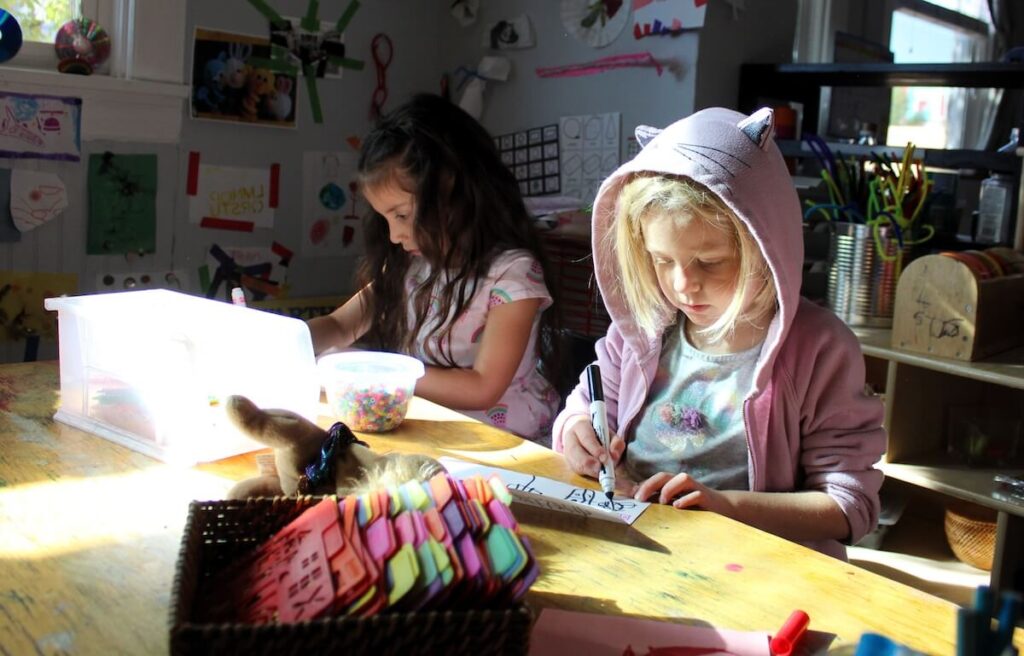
(782, 643)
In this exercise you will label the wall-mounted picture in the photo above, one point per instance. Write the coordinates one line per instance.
(235, 79)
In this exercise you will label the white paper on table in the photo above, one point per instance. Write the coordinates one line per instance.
(36, 197)
(550, 494)
(559, 632)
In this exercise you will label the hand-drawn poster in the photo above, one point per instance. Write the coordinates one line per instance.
(259, 271)
(21, 303)
(660, 17)
(235, 79)
(36, 197)
(45, 127)
(231, 197)
(333, 209)
(122, 204)
(589, 146)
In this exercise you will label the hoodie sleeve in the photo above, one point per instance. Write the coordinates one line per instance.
(609, 358)
(841, 428)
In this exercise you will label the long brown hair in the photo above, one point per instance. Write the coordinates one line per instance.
(468, 211)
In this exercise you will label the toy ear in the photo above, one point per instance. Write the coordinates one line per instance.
(280, 429)
(759, 126)
(645, 133)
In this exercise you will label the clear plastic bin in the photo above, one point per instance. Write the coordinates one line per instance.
(151, 369)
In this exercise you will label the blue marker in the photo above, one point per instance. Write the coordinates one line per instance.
(599, 419)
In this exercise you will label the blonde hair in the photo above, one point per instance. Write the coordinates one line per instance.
(683, 200)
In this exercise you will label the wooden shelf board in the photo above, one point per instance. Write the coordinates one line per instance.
(993, 75)
(1005, 368)
(972, 484)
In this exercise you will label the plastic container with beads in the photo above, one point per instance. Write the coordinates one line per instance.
(965, 305)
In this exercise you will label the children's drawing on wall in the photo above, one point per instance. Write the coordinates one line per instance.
(533, 157)
(465, 12)
(332, 207)
(231, 197)
(510, 33)
(122, 204)
(45, 127)
(661, 17)
(594, 23)
(258, 271)
(21, 303)
(589, 147)
(36, 198)
(234, 79)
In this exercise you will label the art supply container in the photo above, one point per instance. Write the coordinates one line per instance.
(863, 274)
(994, 203)
(369, 391)
(151, 370)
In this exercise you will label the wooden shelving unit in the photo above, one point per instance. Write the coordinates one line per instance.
(803, 83)
(919, 391)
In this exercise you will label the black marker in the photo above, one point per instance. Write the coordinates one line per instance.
(599, 419)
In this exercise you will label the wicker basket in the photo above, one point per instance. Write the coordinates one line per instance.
(218, 532)
(971, 532)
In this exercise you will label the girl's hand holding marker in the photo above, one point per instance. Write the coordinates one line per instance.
(585, 453)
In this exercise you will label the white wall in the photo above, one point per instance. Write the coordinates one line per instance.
(427, 42)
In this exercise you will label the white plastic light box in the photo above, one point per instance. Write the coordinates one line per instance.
(151, 370)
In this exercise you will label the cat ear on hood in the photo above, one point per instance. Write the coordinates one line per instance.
(759, 126)
(645, 133)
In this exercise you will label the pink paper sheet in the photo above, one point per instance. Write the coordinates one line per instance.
(560, 632)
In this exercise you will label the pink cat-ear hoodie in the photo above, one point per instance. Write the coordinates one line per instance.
(809, 423)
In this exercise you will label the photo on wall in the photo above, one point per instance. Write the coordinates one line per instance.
(235, 79)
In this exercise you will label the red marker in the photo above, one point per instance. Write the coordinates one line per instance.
(785, 640)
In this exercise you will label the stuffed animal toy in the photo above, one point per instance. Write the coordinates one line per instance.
(260, 83)
(311, 460)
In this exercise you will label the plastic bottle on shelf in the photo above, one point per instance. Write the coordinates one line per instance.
(994, 209)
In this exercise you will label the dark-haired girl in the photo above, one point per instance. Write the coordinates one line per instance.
(454, 274)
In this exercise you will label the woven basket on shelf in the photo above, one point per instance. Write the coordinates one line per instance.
(218, 532)
(971, 532)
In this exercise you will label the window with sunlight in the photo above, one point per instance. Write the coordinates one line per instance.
(40, 19)
(940, 32)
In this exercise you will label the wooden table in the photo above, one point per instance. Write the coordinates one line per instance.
(91, 530)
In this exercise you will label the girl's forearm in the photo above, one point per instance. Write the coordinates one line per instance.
(460, 389)
(799, 516)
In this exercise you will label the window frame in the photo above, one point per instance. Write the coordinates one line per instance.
(42, 55)
(137, 95)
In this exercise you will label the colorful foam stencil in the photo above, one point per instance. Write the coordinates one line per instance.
(122, 204)
(443, 544)
(21, 303)
(231, 197)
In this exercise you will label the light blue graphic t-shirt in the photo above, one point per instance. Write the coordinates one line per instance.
(693, 418)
